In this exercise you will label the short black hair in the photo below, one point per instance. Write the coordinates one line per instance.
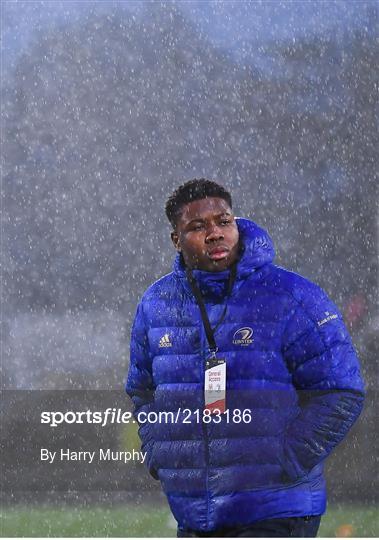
(193, 190)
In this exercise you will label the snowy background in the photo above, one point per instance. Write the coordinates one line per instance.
(108, 106)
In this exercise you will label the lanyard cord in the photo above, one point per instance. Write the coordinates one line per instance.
(200, 301)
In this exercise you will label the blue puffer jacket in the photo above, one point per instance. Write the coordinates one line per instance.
(297, 373)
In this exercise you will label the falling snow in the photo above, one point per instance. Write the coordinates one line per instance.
(108, 106)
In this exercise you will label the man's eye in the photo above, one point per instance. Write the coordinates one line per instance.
(225, 222)
(197, 227)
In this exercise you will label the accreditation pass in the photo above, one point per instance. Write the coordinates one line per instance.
(215, 385)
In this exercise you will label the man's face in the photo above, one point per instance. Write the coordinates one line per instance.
(207, 235)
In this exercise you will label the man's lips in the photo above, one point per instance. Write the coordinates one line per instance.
(218, 253)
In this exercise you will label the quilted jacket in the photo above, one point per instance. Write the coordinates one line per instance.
(297, 373)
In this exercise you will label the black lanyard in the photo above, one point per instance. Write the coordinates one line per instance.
(200, 301)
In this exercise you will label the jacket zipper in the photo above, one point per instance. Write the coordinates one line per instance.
(204, 425)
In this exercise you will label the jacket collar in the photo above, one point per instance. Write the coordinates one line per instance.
(257, 250)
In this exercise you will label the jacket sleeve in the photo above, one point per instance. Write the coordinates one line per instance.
(140, 386)
(325, 372)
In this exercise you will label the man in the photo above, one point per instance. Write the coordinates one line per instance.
(255, 365)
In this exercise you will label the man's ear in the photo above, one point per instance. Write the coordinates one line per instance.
(176, 241)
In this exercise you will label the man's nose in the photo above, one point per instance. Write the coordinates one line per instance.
(214, 233)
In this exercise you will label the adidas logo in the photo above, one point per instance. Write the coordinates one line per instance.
(165, 341)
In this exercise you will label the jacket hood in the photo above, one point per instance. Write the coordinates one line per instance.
(257, 249)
